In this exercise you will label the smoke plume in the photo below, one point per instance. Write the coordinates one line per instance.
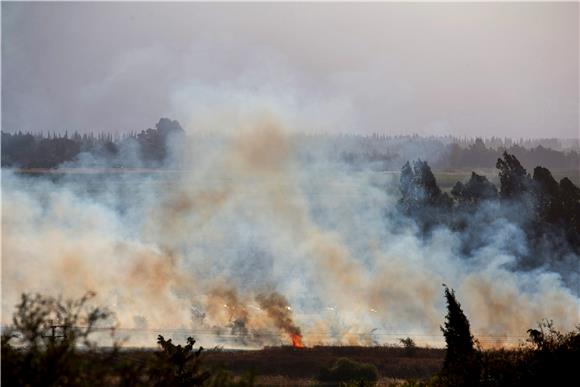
(190, 251)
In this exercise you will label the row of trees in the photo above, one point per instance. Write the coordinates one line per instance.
(478, 155)
(547, 210)
(148, 147)
(449, 155)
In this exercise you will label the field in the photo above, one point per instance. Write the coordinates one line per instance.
(397, 363)
(287, 366)
(445, 178)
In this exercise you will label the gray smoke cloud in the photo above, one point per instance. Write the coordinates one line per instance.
(247, 219)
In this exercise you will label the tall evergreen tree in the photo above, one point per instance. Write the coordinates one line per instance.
(460, 367)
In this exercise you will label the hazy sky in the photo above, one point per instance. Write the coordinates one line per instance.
(450, 68)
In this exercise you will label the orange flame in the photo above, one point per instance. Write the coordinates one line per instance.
(297, 341)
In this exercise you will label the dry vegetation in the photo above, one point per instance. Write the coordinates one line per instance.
(34, 355)
(397, 363)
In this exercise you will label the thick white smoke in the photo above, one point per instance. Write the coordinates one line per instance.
(198, 250)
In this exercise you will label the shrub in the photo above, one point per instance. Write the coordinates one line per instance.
(177, 366)
(42, 345)
(409, 345)
(549, 358)
(346, 370)
(49, 344)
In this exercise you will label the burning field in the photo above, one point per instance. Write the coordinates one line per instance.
(197, 194)
(256, 244)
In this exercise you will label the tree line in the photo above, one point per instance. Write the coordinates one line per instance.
(148, 147)
(454, 155)
(548, 211)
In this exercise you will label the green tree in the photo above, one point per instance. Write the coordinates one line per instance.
(547, 196)
(514, 180)
(477, 189)
(460, 366)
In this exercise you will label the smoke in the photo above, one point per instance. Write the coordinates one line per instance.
(250, 242)
(278, 309)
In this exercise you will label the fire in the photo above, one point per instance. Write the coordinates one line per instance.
(297, 341)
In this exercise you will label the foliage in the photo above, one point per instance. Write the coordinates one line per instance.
(514, 180)
(548, 199)
(176, 365)
(49, 344)
(421, 197)
(477, 189)
(546, 211)
(570, 195)
(548, 358)
(42, 345)
(409, 345)
(346, 370)
(39, 151)
(408, 342)
(460, 366)
(554, 357)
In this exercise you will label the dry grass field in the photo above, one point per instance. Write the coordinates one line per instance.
(280, 365)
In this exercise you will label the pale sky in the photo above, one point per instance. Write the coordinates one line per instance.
(473, 69)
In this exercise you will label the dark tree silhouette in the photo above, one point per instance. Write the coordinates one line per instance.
(419, 187)
(154, 143)
(178, 366)
(477, 189)
(421, 197)
(570, 195)
(42, 347)
(548, 200)
(513, 177)
(460, 366)
(407, 182)
(40, 151)
(50, 343)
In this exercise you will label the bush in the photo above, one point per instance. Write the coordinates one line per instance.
(346, 370)
(49, 344)
(42, 345)
(549, 358)
(409, 345)
(176, 365)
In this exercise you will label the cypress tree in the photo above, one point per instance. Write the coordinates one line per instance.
(460, 367)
